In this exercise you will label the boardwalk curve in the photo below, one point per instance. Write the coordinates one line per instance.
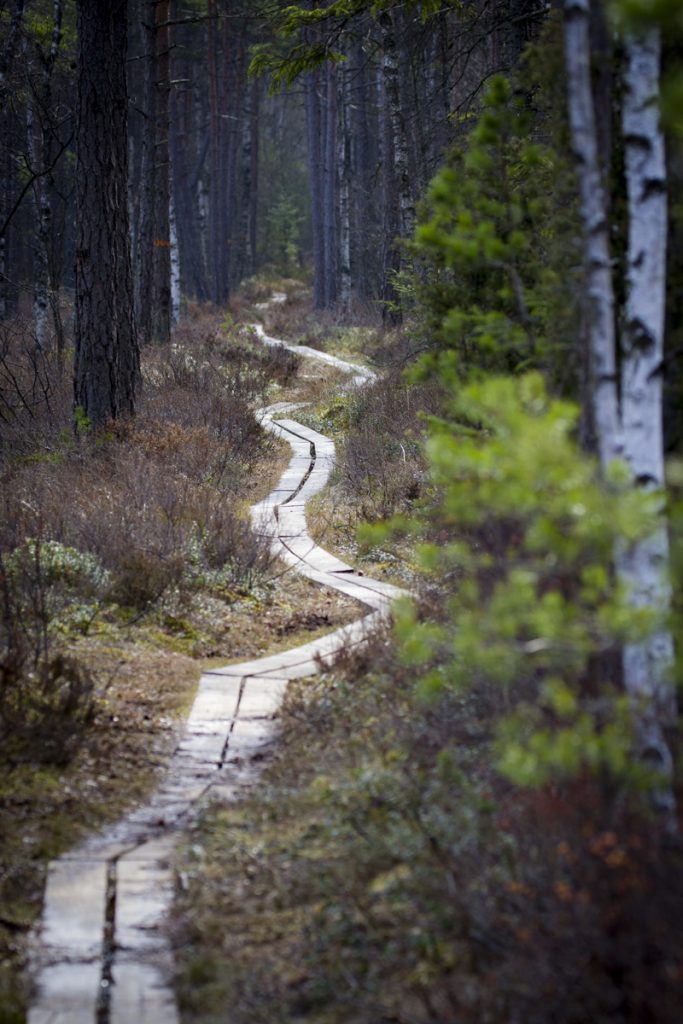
(101, 953)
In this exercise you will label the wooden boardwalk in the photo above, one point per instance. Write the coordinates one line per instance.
(101, 954)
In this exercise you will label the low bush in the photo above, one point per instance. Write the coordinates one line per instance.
(47, 699)
(381, 460)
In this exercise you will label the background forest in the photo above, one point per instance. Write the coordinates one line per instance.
(477, 818)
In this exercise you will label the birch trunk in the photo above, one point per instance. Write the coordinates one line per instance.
(392, 78)
(647, 666)
(630, 426)
(175, 261)
(598, 273)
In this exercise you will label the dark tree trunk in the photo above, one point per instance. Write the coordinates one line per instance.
(390, 255)
(315, 164)
(8, 54)
(216, 210)
(192, 267)
(144, 228)
(344, 188)
(330, 186)
(160, 297)
(152, 254)
(107, 360)
(254, 137)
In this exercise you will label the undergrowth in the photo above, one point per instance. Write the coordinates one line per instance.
(456, 826)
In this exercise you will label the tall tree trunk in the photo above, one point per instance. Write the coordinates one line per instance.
(391, 263)
(214, 179)
(647, 666)
(330, 185)
(190, 248)
(315, 167)
(152, 262)
(160, 297)
(344, 172)
(392, 77)
(39, 137)
(107, 359)
(175, 262)
(254, 142)
(634, 430)
(144, 235)
(599, 286)
(8, 53)
(42, 213)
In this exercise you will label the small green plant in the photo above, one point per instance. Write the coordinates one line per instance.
(82, 422)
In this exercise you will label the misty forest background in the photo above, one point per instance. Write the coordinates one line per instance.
(477, 817)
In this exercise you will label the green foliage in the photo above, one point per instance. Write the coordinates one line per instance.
(521, 542)
(323, 27)
(495, 250)
(68, 584)
(82, 423)
(282, 234)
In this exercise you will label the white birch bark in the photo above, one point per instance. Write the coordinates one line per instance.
(175, 259)
(630, 425)
(391, 72)
(599, 286)
(647, 666)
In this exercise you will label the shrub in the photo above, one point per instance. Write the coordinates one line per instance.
(47, 699)
(381, 462)
(496, 251)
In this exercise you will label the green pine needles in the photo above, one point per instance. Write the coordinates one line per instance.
(495, 250)
(519, 544)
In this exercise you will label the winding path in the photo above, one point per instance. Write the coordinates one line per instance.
(101, 954)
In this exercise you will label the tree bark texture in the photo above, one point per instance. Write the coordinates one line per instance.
(315, 164)
(330, 131)
(647, 666)
(598, 272)
(629, 424)
(344, 188)
(107, 362)
(160, 297)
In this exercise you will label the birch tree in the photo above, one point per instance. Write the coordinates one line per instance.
(628, 410)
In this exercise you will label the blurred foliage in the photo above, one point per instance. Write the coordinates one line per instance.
(520, 544)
